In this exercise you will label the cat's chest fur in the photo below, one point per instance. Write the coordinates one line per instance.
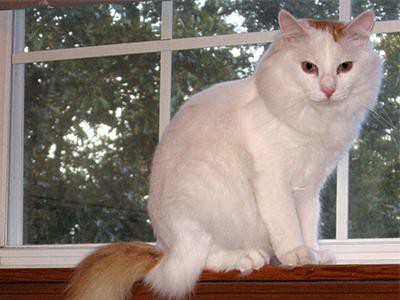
(305, 160)
(311, 159)
(309, 165)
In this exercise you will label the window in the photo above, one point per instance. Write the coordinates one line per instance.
(88, 90)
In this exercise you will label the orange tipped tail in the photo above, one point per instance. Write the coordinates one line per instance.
(109, 273)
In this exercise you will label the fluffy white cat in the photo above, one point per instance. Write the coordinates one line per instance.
(237, 175)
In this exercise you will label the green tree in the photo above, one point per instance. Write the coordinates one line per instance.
(194, 70)
(375, 167)
(82, 186)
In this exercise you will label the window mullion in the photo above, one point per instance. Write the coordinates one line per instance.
(165, 67)
(342, 199)
(16, 197)
(5, 92)
(344, 10)
(342, 184)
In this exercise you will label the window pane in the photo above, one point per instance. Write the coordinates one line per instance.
(91, 127)
(89, 25)
(195, 70)
(384, 9)
(374, 166)
(328, 209)
(210, 17)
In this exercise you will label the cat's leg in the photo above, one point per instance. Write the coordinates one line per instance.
(308, 210)
(242, 260)
(277, 209)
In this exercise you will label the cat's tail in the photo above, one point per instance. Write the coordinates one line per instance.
(109, 273)
(176, 274)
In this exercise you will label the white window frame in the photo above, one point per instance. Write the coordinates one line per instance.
(12, 60)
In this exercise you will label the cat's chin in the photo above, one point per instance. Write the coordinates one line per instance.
(326, 101)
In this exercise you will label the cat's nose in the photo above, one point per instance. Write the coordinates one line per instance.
(328, 91)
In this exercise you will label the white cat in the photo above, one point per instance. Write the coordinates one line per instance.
(237, 175)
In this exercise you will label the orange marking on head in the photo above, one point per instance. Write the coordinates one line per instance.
(336, 29)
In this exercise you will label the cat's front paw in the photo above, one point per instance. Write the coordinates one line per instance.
(252, 259)
(299, 256)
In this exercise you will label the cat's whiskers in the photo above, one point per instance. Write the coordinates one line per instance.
(385, 122)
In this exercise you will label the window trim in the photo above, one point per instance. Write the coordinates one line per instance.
(5, 96)
(22, 4)
(165, 67)
(341, 282)
(346, 250)
(350, 251)
(16, 140)
(234, 39)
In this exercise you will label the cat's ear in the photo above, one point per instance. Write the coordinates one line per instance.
(290, 27)
(360, 28)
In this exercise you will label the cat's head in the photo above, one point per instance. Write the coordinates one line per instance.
(322, 64)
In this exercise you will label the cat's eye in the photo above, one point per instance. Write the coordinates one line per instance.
(345, 67)
(309, 67)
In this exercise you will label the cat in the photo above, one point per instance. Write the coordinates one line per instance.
(236, 178)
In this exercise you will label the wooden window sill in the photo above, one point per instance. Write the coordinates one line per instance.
(271, 282)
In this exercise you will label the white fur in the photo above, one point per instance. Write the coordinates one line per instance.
(237, 175)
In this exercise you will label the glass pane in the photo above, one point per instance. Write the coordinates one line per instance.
(375, 166)
(328, 209)
(195, 70)
(384, 9)
(210, 17)
(91, 127)
(89, 25)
